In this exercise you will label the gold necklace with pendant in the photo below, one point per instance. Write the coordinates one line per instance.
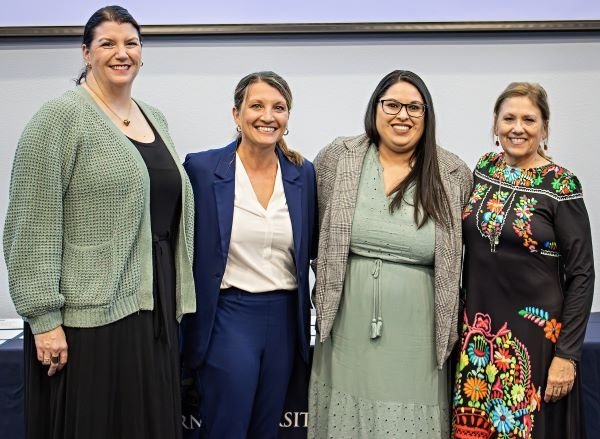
(125, 121)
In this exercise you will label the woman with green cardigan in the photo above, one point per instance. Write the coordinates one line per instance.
(98, 243)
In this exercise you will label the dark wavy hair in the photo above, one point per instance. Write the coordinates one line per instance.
(430, 198)
(117, 14)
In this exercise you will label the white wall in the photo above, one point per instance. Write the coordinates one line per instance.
(332, 77)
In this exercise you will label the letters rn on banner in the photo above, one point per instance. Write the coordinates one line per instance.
(294, 421)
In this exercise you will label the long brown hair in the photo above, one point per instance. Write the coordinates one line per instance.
(278, 83)
(430, 198)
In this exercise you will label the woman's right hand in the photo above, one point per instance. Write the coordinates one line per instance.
(52, 349)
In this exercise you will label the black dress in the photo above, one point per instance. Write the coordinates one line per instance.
(529, 279)
(121, 379)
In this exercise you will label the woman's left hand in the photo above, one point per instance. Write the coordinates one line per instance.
(52, 349)
(561, 377)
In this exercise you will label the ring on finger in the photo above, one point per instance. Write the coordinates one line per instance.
(46, 361)
(54, 360)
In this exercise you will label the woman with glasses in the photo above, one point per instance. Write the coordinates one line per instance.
(388, 267)
(529, 282)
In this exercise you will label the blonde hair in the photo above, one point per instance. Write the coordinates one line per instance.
(278, 83)
(536, 94)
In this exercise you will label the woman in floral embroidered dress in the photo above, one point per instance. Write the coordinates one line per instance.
(529, 280)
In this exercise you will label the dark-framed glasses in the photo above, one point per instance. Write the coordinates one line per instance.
(393, 107)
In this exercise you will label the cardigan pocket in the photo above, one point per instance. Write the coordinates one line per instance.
(86, 271)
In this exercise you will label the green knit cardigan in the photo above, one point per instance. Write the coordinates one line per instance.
(77, 237)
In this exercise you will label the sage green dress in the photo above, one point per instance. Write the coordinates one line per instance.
(376, 376)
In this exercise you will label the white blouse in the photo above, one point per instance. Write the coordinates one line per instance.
(262, 246)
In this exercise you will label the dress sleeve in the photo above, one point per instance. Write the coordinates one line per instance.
(33, 231)
(572, 228)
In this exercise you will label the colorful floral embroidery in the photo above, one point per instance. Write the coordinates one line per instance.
(504, 191)
(476, 388)
(503, 418)
(478, 351)
(522, 224)
(564, 184)
(494, 390)
(550, 248)
(502, 359)
(542, 319)
(478, 193)
(563, 181)
(493, 219)
(511, 174)
(536, 315)
(552, 330)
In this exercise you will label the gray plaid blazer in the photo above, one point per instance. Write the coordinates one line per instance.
(338, 168)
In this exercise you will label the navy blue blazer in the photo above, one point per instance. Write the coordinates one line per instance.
(212, 174)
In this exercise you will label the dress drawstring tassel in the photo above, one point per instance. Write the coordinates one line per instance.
(376, 318)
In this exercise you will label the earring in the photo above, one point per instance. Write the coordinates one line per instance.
(142, 64)
(286, 132)
(88, 66)
(497, 140)
(545, 144)
(238, 129)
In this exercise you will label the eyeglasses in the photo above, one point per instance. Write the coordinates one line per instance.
(393, 107)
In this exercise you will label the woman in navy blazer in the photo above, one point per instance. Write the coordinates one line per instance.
(255, 235)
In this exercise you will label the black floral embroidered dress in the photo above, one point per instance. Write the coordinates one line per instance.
(529, 279)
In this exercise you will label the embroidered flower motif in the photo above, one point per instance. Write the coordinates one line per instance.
(502, 417)
(478, 193)
(467, 211)
(498, 388)
(502, 359)
(478, 351)
(524, 210)
(516, 176)
(552, 330)
(564, 185)
(483, 161)
(475, 388)
(494, 205)
(483, 323)
(518, 392)
(463, 361)
(554, 168)
(491, 371)
(535, 398)
(511, 174)
(562, 181)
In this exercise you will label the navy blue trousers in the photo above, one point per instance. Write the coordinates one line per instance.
(244, 380)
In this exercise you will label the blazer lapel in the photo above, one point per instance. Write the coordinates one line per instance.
(292, 186)
(344, 203)
(224, 188)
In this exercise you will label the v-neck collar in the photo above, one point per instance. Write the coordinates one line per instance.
(239, 167)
